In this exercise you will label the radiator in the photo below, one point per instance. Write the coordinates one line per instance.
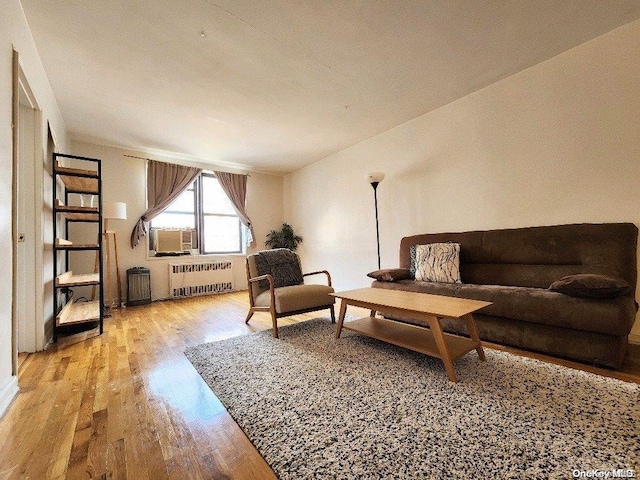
(192, 279)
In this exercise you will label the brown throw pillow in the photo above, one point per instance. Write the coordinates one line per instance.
(391, 274)
(590, 285)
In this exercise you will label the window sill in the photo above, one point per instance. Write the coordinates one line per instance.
(187, 258)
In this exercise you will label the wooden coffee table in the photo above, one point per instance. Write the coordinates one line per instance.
(423, 308)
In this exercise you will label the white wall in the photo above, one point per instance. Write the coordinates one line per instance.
(557, 143)
(124, 180)
(15, 33)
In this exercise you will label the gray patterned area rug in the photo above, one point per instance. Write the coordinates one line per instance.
(317, 407)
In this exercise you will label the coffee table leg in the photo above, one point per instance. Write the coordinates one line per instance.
(473, 333)
(343, 310)
(438, 336)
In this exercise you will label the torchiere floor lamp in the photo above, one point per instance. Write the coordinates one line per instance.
(374, 178)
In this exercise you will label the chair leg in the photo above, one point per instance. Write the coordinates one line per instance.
(274, 319)
(333, 314)
(249, 315)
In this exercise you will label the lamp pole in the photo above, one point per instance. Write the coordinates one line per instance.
(375, 201)
(374, 179)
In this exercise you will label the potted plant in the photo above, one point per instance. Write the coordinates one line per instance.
(283, 238)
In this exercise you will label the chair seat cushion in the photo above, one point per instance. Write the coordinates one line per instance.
(297, 297)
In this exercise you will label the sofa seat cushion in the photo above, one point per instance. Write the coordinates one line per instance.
(562, 342)
(541, 306)
(535, 305)
(297, 297)
(434, 288)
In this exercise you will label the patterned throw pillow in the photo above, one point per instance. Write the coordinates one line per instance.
(412, 257)
(438, 262)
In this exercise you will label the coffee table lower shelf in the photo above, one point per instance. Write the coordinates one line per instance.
(412, 337)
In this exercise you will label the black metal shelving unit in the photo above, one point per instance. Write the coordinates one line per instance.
(73, 315)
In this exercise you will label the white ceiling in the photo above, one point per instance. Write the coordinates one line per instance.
(275, 85)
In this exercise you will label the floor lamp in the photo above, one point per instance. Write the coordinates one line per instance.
(113, 211)
(374, 178)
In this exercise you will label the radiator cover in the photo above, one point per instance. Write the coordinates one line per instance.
(138, 286)
(202, 278)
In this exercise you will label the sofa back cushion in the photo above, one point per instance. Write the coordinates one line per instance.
(538, 256)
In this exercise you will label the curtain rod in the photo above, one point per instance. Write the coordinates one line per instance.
(151, 159)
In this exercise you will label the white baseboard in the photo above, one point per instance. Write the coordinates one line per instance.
(8, 393)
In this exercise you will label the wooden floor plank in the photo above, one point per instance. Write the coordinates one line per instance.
(97, 448)
(77, 467)
(128, 404)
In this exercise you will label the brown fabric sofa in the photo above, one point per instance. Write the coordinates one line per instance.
(513, 268)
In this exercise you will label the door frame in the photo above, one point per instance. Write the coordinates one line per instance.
(15, 116)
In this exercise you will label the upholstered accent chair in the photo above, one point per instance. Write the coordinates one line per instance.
(276, 285)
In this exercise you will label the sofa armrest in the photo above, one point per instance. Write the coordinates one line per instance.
(319, 272)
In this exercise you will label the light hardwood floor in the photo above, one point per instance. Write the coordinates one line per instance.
(128, 404)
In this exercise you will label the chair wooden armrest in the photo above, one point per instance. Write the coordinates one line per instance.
(272, 293)
(318, 272)
(267, 277)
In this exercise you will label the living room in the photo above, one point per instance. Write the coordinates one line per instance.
(553, 142)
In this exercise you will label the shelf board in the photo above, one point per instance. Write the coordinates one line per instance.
(78, 312)
(80, 184)
(418, 339)
(80, 172)
(77, 180)
(61, 207)
(76, 213)
(63, 244)
(68, 279)
(82, 217)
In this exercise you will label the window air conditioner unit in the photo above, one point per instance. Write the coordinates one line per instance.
(173, 241)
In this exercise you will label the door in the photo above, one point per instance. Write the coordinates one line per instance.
(26, 232)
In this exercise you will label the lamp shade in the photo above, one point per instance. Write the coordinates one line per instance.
(374, 177)
(114, 210)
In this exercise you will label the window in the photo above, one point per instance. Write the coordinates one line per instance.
(220, 226)
(181, 213)
(206, 210)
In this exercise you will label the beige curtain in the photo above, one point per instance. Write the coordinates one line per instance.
(165, 181)
(235, 186)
